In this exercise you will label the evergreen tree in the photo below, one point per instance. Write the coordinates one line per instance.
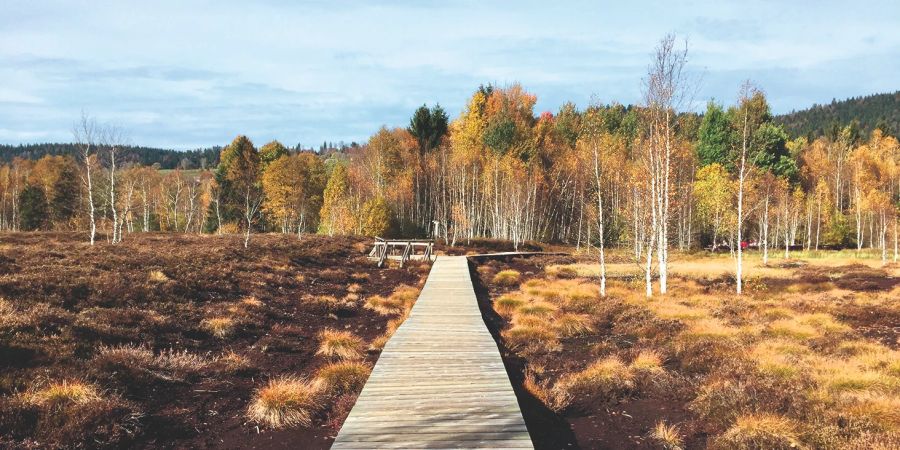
(32, 208)
(768, 150)
(238, 165)
(270, 152)
(715, 137)
(62, 206)
(428, 126)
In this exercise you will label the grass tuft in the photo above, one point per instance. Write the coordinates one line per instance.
(340, 344)
(507, 277)
(571, 325)
(507, 304)
(64, 393)
(667, 436)
(760, 431)
(606, 380)
(531, 338)
(251, 301)
(158, 276)
(285, 402)
(386, 306)
(344, 377)
(220, 327)
(537, 308)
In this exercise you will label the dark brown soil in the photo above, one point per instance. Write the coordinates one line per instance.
(103, 295)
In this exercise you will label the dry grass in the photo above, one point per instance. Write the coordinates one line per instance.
(220, 327)
(760, 431)
(285, 402)
(329, 303)
(232, 362)
(507, 304)
(792, 363)
(606, 380)
(648, 361)
(343, 377)
(507, 277)
(780, 358)
(340, 344)
(531, 337)
(252, 302)
(537, 308)
(138, 362)
(667, 436)
(157, 276)
(386, 306)
(571, 325)
(63, 393)
(400, 301)
(359, 276)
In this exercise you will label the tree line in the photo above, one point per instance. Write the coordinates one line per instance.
(146, 156)
(645, 178)
(865, 113)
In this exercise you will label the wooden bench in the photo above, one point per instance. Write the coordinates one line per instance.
(402, 250)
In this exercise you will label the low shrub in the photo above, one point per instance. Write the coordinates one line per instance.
(333, 275)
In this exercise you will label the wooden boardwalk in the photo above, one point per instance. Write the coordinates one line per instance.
(440, 381)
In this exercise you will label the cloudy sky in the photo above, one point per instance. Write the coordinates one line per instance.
(186, 74)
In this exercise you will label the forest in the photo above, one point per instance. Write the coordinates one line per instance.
(881, 111)
(637, 177)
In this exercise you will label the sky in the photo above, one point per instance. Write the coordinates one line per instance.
(189, 74)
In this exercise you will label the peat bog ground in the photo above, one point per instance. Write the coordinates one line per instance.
(807, 358)
(163, 340)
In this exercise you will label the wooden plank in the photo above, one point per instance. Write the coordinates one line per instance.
(440, 381)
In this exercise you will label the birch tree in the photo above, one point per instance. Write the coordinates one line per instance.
(750, 101)
(666, 90)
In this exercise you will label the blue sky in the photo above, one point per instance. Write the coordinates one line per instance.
(186, 74)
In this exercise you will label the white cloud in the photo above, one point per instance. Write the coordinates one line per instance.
(189, 74)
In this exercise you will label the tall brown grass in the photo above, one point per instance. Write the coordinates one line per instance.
(285, 402)
(340, 344)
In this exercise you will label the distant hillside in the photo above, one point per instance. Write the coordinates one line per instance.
(879, 110)
(147, 156)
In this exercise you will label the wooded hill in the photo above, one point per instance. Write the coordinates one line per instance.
(145, 156)
(880, 111)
